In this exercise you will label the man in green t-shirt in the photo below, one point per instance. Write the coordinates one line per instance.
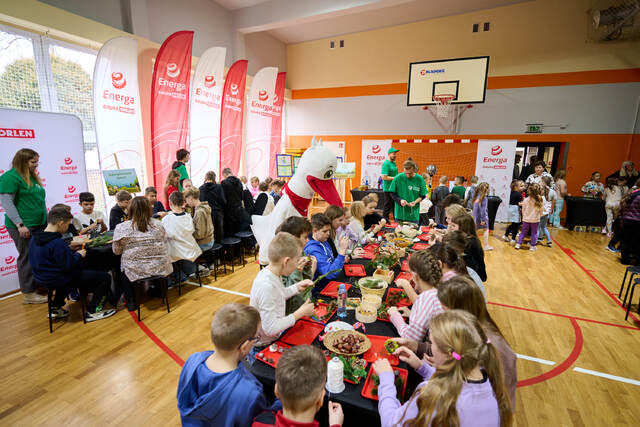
(182, 157)
(389, 171)
(408, 189)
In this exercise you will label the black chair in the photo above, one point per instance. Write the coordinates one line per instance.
(62, 288)
(248, 242)
(230, 245)
(164, 284)
(633, 288)
(207, 258)
(633, 270)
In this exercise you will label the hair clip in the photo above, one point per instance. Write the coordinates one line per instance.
(488, 341)
(455, 355)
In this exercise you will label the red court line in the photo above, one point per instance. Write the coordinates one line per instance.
(155, 339)
(570, 254)
(564, 315)
(566, 364)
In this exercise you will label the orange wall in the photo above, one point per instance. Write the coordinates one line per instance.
(587, 152)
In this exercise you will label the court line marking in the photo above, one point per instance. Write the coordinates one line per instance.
(9, 296)
(155, 339)
(218, 289)
(535, 359)
(607, 376)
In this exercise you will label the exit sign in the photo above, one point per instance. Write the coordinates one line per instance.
(534, 128)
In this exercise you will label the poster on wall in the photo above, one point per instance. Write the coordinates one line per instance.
(494, 165)
(122, 179)
(345, 170)
(284, 163)
(374, 153)
(57, 138)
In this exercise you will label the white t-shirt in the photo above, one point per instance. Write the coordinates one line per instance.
(179, 230)
(83, 220)
(546, 204)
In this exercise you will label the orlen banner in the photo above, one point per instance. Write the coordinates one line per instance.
(258, 143)
(116, 107)
(494, 164)
(276, 123)
(374, 153)
(170, 104)
(232, 115)
(204, 123)
(57, 138)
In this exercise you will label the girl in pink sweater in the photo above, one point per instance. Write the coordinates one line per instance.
(531, 213)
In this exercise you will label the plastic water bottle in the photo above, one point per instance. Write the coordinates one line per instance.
(342, 301)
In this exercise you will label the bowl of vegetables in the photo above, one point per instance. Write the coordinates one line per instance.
(372, 285)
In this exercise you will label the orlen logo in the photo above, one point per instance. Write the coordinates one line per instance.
(71, 189)
(172, 70)
(496, 150)
(118, 81)
(68, 160)
(209, 81)
(9, 260)
(376, 149)
(425, 71)
(234, 89)
(263, 95)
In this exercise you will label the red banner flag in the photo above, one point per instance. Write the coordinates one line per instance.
(276, 124)
(170, 104)
(231, 116)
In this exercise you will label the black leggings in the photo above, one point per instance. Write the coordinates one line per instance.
(388, 206)
(513, 229)
(90, 281)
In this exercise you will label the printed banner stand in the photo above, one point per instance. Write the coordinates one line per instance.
(494, 165)
(57, 138)
(374, 153)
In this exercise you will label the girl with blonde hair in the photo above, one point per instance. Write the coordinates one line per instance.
(531, 213)
(356, 224)
(480, 212)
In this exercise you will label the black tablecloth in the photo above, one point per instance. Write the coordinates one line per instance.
(493, 203)
(359, 195)
(584, 211)
(357, 409)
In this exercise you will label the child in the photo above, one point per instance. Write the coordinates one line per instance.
(473, 253)
(264, 201)
(531, 213)
(186, 184)
(458, 187)
(319, 247)
(356, 224)
(152, 196)
(548, 199)
(593, 188)
(471, 191)
(72, 231)
(269, 296)
(182, 157)
(463, 380)
(171, 184)
(438, 195)
(118, 213)
(202, 222)
(53, 263)
(426, 274)
(561, 193)
(301, 375)
(141, 242)
(515, 202)
(254, 188)
(371, 217)
(481, 212)
(456, 240)
(276, 190)
(89, 220)
(183, 248)
(613, 195)
(215, 388)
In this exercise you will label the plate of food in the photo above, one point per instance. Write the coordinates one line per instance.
(370, 388)
(398, 298)
(338, 325)
(323, 311)
(347, 343)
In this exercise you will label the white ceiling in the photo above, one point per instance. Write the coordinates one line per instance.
(238, 4)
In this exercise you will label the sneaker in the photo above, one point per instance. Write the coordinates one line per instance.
(512, 242)
(612, 249)
(505, 238)
(488, 248)
(34, 298)
(74, 296)
(517, 246)
(98, 315)
(58, 313)
(549, 244)
(533, 249)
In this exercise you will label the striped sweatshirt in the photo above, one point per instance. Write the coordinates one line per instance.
(426, 306)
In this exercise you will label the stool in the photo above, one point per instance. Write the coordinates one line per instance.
(247, 237)
(633, 270)
(164, 283)
(633, 288)
(62, 288)
(206, 259)
(229, 244)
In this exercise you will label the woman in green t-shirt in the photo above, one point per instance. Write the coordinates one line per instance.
(22, 197)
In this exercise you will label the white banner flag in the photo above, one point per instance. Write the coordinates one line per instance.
(259, 122)
(374, 153)
(116, 107)
(494, 164)
(204, 121)
(57, 138)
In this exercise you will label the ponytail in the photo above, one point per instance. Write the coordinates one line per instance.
(490, 359)
(449, 257)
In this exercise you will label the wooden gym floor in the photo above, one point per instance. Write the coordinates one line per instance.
(557, 307)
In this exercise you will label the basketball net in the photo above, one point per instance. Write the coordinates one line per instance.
(443, 104)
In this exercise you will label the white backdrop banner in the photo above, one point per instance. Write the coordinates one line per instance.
(204, 120)
(374, 153)
(58, 140)
(494, 164)
(116, 106)
(259, 122)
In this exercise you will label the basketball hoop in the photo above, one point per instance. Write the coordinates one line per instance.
(443, 104)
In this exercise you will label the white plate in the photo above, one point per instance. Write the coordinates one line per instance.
(338, 326)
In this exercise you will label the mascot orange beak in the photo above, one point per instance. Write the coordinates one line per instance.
(326, 189)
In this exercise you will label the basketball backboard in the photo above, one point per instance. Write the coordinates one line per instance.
(464, 78)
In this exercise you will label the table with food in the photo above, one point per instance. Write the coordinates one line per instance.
(100, 254)
(364, 334)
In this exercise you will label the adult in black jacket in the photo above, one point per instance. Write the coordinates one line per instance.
(212, 193)
(528, 169)
(235, 217)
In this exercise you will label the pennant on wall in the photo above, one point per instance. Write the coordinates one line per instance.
(276, 124)
(116, 107)
(204, 123)
(259, 118)
(232, 115)
(170, 104)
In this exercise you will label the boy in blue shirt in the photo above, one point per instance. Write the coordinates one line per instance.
(320, 248)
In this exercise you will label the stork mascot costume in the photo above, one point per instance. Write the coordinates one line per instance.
(313, 174)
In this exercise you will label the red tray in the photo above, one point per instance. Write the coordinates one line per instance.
(405, 265)
(354, 270)
(420, 246)
(370, 247)
(331, 290)
(346, 379)
(392, 225)
(402, 303)
(384, 320)
(377, 351)
(319, 311)
(273, 355)
(404, 275)
(425, 229)
(424, 237)
(369, 385)
(303, 332)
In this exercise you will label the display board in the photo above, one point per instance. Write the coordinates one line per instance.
(494, 164)
(284, 163)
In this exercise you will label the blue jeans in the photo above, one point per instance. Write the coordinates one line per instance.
(206, 246)
(186, 268)
(543, 227)
(554, 219)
